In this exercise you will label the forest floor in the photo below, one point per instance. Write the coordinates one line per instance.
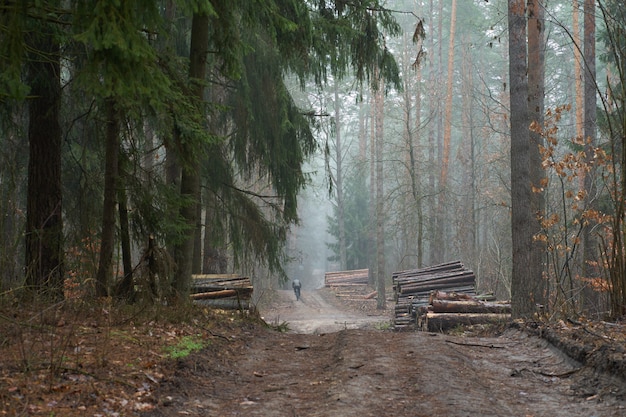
(333, 358)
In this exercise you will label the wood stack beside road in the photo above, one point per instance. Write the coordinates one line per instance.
(352, 284)
(446, 311)
(442, 297)
(413, 287)
(227, 291)
(342, 278)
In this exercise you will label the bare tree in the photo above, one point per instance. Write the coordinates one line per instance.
(447, 136)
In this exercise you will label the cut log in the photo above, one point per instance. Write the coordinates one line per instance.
(486, 297)
(435, 285)
(223, 281)
(226, 303)
(415, 286)
(214, 294)
(370, 295)
(453, 296)
(438, 322)
(215, 276)
(449, 266)
(356, 276)
(469, 306)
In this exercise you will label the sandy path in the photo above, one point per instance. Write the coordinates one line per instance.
(316, 313)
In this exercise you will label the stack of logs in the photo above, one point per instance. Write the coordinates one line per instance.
(441, 297)
(350, 284)
(412, 288)
(449, 310)
(227, 291)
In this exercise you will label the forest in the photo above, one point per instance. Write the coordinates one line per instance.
(146, 141)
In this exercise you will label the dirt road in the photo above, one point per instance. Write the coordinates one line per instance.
(339, 363)
(317, 313)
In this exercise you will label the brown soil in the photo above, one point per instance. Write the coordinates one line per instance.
(339, 358)
(337, 361)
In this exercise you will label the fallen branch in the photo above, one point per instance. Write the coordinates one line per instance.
(475, 345)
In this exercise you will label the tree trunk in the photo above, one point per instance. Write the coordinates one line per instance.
(521, 286)
(536, 93)
(469, 306)
(125, 288)
(190, 180)
(579, 110)
(341, 221)
(196, 263)
(214, 260)
(447, 134)
(439, 322)
(362, 133)
(417, 197)
(408, 227)
(466, 157)
(44, 223)
(578, 77)
(371, 231)
(432, 163)
(107, 239)
(380, 197)
(590, 244)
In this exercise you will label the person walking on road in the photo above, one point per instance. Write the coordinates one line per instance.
(296, 288)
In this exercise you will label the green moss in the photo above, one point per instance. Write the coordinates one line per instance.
(185, 347)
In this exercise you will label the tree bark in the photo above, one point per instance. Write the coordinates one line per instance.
(578, 77)
(380, 214)
(196, 263)
(107, 239)
(466, 156)
(469, 306)
(190, 179)
(438, 322)
(536, 93)
(432, 161)
(214, 261)
(341, 221)
(44, 224)
(521, 286)
(417, 194)
(126, 287)
(590, 121)
(440, 247)
(242, 292)
(371, 232)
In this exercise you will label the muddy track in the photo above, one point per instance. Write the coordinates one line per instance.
(355, 369)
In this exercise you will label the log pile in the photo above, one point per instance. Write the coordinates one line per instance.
(227, 291)
(446, 311)
(349, 285)
(342, 278)
(412, 288)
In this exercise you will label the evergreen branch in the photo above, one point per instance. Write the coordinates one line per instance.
(264, 198)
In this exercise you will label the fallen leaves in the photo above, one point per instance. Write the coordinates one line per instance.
(89, 361)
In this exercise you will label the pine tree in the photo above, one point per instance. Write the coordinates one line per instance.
(44, 225)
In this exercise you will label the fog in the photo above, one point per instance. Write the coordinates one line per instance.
(307, 242)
